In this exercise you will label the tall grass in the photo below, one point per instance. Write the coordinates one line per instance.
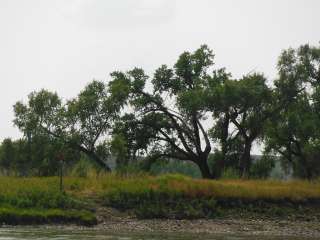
(295, 190)
(150, 196)
(177, 196)
(39, 200)
(41, 190)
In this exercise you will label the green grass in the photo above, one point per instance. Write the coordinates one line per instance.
(166, 196)
(15, 216)
(296, 190)
(39, 200)
(44, 192)
(176, 196)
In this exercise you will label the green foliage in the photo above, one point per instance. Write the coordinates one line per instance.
(37, 156)
(78, 124)
(18, 216)
(262, 168)
(177, 196)
(161, 203)
(7, 153)
(166, 116)
(166, 130)
(166, 196)
(174, 167)
(294, 132)
(39, 201)
(82, 168)
(119, 150)
(230, 173)
(214, 162)
(133, 168)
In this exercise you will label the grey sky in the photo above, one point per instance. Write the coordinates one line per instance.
(61, 45)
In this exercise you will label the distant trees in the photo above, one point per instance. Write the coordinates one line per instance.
(39, 157)
(7, 153)
(187, 112)
(294, 133)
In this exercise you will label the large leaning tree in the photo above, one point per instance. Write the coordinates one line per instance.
(82, 123)
(170, 112)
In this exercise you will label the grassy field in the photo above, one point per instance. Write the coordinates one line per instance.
(296, 190)
(38, 200)
(167, 196)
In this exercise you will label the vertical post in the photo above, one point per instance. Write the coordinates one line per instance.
(61, 175)
(61, 158)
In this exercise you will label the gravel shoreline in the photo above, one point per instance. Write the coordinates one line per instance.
(252, 227)
(112, 220)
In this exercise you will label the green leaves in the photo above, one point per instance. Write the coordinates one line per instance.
(191, 66)
(119, 87)
(170, 116)
(193, 100)
(80, 123)
(165, 81)
(296, 129)
(43, 109)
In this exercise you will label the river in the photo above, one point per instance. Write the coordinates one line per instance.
(42, 233)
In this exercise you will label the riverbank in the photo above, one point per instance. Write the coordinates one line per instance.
(112, 220)
(277, 229)
(230, 227)
(71, 233)
(165, 203)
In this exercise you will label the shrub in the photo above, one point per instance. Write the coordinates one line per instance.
(262, 168)
(163, 166)
(230, 173)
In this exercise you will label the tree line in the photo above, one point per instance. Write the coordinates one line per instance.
(190, 112)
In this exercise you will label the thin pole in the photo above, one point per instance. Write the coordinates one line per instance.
(61, 176)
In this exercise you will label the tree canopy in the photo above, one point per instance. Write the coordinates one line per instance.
(189, 112)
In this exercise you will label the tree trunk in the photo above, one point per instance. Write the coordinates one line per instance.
(224, 142)
(204, 168)
(306, 168)
(245, 161)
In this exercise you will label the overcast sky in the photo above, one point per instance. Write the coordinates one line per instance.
(61, 45)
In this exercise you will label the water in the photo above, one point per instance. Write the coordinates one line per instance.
(64, 234)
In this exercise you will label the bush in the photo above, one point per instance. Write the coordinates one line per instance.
(230, 173)
(163, 166)
(262, 167)
(130, 169)
(84, 168)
